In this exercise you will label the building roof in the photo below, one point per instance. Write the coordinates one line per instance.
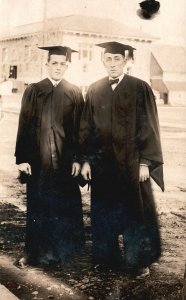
(170, 58)
(167, 86)
(85, 24)
(159, 85)
(99, 25)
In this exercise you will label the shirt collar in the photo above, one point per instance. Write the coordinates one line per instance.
(120, 78)
(54, 82)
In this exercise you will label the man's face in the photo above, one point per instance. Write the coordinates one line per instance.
(114, 64)
(57, 66)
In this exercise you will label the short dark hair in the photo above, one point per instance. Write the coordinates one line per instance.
(49, 55)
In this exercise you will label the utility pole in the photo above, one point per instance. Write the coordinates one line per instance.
(44, 34)
(44, 21)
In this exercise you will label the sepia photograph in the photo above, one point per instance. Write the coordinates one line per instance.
(93, 150)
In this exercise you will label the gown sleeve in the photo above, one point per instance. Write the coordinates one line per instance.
(78, 108)
(87, 131)
(23, 141)
(148, 135)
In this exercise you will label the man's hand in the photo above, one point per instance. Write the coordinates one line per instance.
(143, 173)
(86, 171)
(76, 167)
(25, 168)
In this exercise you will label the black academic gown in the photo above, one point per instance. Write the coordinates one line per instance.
(47, 140)
(119, 130)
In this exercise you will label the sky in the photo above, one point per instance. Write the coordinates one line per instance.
(169, 24)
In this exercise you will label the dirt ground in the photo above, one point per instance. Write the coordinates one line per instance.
(166, 280)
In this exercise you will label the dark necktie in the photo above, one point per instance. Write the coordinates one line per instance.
(113, 81)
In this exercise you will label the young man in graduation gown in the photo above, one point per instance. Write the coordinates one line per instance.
(46, 152)
(119, 137)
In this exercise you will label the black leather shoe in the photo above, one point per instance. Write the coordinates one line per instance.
(22, 263)
(143, 273)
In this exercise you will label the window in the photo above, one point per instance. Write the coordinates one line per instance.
(14, 55)
(84, 68)
(34, 52)
(3, 68)
(85, 51)
(27, 52)
(13, 72)
(4, 54)
(102, 55)
(26, 67)
(128, 71)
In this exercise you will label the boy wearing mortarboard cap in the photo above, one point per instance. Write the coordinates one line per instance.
(59, 50)
(119, 136)
(46, 150)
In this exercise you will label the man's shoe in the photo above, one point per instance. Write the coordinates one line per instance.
(22, 263)
(143, 273)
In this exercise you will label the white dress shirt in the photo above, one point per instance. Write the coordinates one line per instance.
(54, 82)
(113, 86)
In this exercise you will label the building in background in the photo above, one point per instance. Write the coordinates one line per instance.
(168, 73)
(22, 61)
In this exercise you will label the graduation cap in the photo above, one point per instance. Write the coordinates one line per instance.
(117, 48)
(59, 50)
(149, 8)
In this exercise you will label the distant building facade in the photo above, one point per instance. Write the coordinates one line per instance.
(22, 61)
(168, 73)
